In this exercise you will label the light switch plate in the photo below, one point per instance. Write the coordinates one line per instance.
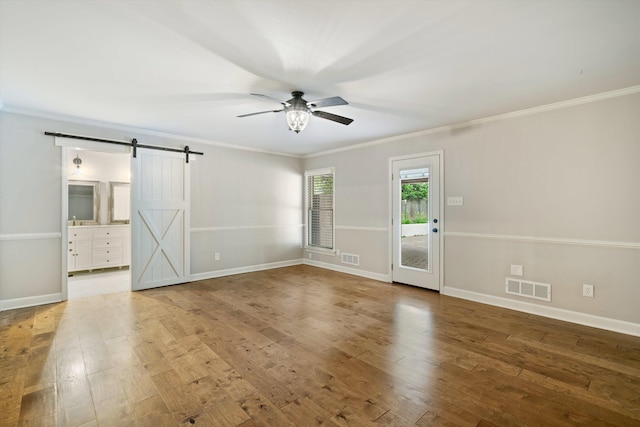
(455, 201)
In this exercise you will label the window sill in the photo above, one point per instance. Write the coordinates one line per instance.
(312, 249)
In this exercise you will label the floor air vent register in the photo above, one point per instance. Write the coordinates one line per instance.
(525, 288)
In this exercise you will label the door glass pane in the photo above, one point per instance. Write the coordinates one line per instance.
(414, 213)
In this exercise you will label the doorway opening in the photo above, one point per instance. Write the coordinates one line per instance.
(98, 244)
(151, 234)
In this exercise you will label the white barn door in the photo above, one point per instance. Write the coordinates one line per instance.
(160, 219)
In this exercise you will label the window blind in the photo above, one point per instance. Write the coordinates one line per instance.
(320, 210)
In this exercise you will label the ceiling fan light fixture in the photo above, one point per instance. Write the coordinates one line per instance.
(297, 118)
(298, 110)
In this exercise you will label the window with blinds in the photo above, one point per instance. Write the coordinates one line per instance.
(320, 209)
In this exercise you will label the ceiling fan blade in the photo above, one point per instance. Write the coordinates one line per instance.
(327, 102)
(271, 98)
(259, 112)
(333, 117)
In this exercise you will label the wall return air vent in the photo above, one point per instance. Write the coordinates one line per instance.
(350, 259)
(525, 288)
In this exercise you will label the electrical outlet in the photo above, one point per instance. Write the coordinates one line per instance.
(216, 256)
(310, 255)
(517, 270)
(587, 291)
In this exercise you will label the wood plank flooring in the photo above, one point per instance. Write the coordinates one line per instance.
(305, 346)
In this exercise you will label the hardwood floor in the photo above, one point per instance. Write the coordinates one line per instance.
(306, 346)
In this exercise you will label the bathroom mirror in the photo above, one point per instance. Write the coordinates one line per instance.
(84, 201)
(120, 203)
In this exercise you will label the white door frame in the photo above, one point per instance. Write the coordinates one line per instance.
(441, 218)
(66, 144)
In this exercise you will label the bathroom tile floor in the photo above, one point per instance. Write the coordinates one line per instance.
(100, 282)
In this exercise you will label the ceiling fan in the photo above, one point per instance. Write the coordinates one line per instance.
(299, 110)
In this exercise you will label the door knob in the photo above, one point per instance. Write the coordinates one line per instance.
(435, 230)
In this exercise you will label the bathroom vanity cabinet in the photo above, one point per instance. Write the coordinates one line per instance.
(102, 246)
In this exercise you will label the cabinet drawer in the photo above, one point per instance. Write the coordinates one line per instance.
(107, 261)
(108, 233)
(107, 258)
(101, 252)
(107, 243)
(80, 234)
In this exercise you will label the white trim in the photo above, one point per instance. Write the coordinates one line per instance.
(64, 216)
(130, 129)
(30, 236)
(546, 311)
(321, 171)
(247, 269)
(356, 272)
(61, 141)
(553, 240)
(11, 304)
(555, 106)
(322, 251)
(244, 227)
(519, 113)
(447, 128)
(348, 227)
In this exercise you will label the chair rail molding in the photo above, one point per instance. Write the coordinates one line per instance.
(30, 236)
(540, 239)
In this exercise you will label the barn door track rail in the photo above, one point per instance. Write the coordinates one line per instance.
(133, 144)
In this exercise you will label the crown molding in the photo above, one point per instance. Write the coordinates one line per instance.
(134, 130)
(498, 117)
(447, 128)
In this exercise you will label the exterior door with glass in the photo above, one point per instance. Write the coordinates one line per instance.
(416, 221)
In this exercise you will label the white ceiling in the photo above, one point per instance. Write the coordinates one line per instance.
(187, 67)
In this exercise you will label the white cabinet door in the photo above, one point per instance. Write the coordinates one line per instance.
(83, 254)
(79, 249)
(160, 219)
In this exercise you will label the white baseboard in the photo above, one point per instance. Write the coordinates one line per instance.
(247, 269)
(10, 304)
(552, 312)
(348, 270)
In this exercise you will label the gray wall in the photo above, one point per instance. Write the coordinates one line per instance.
(245, 205)
(555, 191)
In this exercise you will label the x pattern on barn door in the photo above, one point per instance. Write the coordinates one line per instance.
(160, 219)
